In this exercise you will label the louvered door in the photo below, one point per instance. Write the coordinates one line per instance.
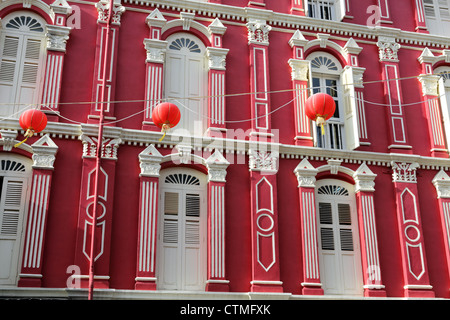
(20, 67)
(340, 259)
(12, 208)
(181, 256)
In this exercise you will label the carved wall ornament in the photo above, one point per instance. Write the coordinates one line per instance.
(306, 174)
(430, 84)
(442, 184)
(263, 161)
(388, 49)
(57, 37)
(217, 167)
(109, 147)
(258, 32)
(102, 9)
(150, 161)
(216, 58)
(404, 172)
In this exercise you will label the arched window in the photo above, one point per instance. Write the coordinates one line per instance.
(326, 71)
(182, 230)
(186, 80)
(14, 176)
(340, 257)
(22, 50)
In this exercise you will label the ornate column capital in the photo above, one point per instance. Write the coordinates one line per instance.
(109, 147)
(364, 178)
(150, 162)
(300, 69)
(57, 37)
(216, 58)
(8, 139)
(388, 49)
(217, 167)
(404, 172)
(258, 32)
(266, 162)
(156, 50)
(44, 151)
(102, 9)
(430, 84)
(306, 174)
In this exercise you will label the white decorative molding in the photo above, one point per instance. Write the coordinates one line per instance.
(187, 18)
(216, 58)
(109, 147)
(102, 9)
(263, 161)
(334, 165)
(323, 39)
(404, 172)
(156, 50)
(351, 47)
(57, 37)
(217, 27)
(306, 174)
(150, 162)
(442, 184)
(8, 139)
(427, 56)
(300, 69)
(388, 49)
(184, 153)
(430, 84)
(61, 7)
(258, 32)
(44, 151)
(297, 40)
(217, 167)
(364, 179)
(155, 19)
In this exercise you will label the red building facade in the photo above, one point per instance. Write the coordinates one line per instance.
(245, 194)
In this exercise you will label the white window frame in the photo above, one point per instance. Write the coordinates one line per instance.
(324, 73)
(179, 271)
(335, 276)
(193, 120)
(316, 9)
(24, 35)
(14, 240)
(444, 98)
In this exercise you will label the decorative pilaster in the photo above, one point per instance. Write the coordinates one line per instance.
(300, 77)
(264, 222)
(414, 263)
(442, 184)
(111, 58)
(365, 182)
(258, 41)
(44, 151)
(388, 50)
(430, 93)
(57, 36)
(216, 74)
(150, 160)
(154, 66)
(102, 250)
(217, 170)
(385, 18)
(419, 16)
(298, 7)
(306, 176)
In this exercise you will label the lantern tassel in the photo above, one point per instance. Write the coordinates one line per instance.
(164, 128)
(323, 129)
(321, 122)
(28, 134)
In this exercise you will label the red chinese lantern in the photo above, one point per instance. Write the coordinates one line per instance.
(166, 115)
(32, 121)
(320, 107)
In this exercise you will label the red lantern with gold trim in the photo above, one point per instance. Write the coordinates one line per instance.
(320, 107)
(32, 120)
(166, 115)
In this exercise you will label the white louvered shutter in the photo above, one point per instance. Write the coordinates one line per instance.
(12, 205)
(8, 73)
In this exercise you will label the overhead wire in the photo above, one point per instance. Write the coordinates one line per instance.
(156, 101)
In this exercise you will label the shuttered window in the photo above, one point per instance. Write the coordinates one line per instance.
(11, 205)
(23, 48)
(437, 14)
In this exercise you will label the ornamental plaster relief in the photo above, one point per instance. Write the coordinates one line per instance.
(102, 9)
(57, 37)
(404, 172)
(388, 49)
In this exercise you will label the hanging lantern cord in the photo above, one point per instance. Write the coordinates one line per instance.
(29, 133)
(165, 127)
(321, 122)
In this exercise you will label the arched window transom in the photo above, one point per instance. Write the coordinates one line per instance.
(181, 43)
(25, 23)
(333, 190)
(182, 178)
